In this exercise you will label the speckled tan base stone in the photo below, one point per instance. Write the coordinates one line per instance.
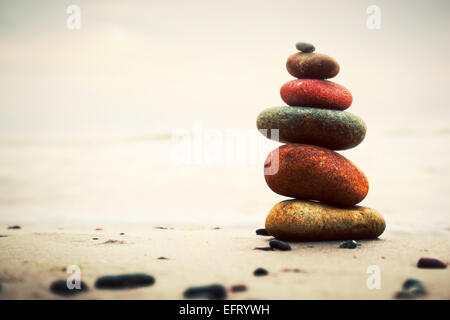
(301, 220)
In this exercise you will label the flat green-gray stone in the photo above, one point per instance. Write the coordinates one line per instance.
(331, 129)
(304, 47)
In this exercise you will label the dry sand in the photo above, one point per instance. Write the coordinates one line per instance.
(31, 258)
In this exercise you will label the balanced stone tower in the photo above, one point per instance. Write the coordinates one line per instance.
(325, 185)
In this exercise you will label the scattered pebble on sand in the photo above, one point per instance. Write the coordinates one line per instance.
(114, 242)
(262, 232)
(124, 281)
(216, 228)
(280, 245)
(431, 263)
(163, 258)
(296, 270)
(59, 287)
(94, 238)
(214, 292)
(411, 288)
(348, 244)
(14, 227)
(162, 228)
(121, 233)
(98, 229)
(3, 235)
(238, 288)
(260, 272)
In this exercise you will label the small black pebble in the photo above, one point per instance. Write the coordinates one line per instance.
(280, 245)
(213, 292)
(3, 236)
(348, 244)
(412, 284)
(216, 228)
(162, 228)
(412, 288)
(59, 287)
(262, 232)
(124, 281)
(163, 258)
(14, 227)
(260, 272)
(121, 233)
(238, 288)
(264, 248)
(94, 238)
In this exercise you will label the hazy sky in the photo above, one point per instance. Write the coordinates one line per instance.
(145, 66)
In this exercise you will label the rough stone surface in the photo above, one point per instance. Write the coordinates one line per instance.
(331, 129)
(315, 93)
(312, 65)
(299, 220)
(313, 173)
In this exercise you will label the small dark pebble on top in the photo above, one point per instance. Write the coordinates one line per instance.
(305, 47)
(260, 272)
(431, 263)
(213, 292)
(348, 244)
(238, 288)
(280, 245)
(162, 228)
(121, 233)
(124, 281)
(94, 238)
(163, 258)
(262, 232)
(15, 227)
(59, 287)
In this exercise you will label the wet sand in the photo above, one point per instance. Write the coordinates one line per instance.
(32, 257)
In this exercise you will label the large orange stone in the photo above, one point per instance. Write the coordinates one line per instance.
(301, 220)
(314, 173)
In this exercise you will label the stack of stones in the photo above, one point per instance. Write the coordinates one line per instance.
(325, 185)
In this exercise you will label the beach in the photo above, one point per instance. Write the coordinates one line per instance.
(34, 257)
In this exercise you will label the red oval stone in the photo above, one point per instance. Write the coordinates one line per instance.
(313, 173)
(315, 93)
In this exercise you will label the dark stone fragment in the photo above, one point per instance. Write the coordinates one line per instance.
(260, 272)
(124, 281)
(262, 232)
(216, 228)
(348, 244)
(162, 228)
(280, 245)
(412, 284)
(214, 292)
(15, 227)
(163, 258)
(431, 263)
(59, 287)
(121, 233)
(238, 288)
(264, 248)
(3, 235)
(94, 238)
(412, 288)
(304, 47)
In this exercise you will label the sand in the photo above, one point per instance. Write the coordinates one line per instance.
(32, 257)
